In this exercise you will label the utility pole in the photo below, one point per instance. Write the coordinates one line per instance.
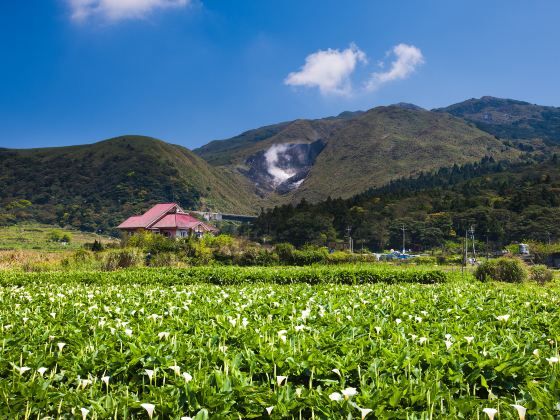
(403, 239)
(350, 242)
(466, 247)
(471, 231)
(487, 249)
(464, 252)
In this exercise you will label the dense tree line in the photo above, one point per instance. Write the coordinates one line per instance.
(505, 202)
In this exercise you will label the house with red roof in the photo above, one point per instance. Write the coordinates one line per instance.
(167, 219)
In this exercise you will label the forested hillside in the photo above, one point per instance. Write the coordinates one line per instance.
(95, 187)
(504, 202)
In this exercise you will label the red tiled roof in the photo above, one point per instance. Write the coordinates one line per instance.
(131, 223)
(165, 216)
(148, 218)
(182, 221)
(177, 221)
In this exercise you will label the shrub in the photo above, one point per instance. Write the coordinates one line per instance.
(55, 235)
(310, 255)
(122, 258)
(541, 253)
(196, 251)
(338, 257)
(37, 267)
(163, 259)
(151, 242)
(541, 274)
(422, 260)
(256, 256)
(285, 252)
(343, 257)
(81, 256)
(441, 259)
(95, 246)
(509, 270)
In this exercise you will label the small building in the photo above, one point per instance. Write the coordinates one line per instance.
(167, 219)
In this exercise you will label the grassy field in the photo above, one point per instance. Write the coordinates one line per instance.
(74, 347)
(27, 245)
(36, 237)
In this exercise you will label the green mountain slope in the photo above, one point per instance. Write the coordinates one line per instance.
(503, 201)
(224, 152)
(345, 155)
(236, 150)
(510, 119)
(96, 186)
(392, 142)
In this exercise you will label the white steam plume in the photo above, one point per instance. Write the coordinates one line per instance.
(272, 156)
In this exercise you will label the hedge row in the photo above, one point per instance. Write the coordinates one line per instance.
(347, 274)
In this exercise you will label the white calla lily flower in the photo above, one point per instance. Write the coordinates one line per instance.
(149, 408)
(490, 412)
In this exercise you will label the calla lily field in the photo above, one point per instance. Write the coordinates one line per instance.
(132, 348)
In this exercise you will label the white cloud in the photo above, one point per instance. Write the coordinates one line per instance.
(328, 70)
(408, 58)
(119, 9)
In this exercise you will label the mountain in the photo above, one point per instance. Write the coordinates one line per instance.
(407, 105)
(503, 201)
(510, 119)
(345, 155)
(96, 186)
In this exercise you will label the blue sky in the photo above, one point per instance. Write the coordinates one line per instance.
(190, 71)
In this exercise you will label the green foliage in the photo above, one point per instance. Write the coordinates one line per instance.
(57, 235)
(310, 255)
(95, 187)
(542, 252)
(425, 261)
(541, 274)
(54, 235)
(257, 256)
(506, 202)
(151, 242)
(341, 257)
(285, 252)
(97, 246)
(82, 256)
(18, 204)
(289, 255)
(122, 258)
(220, 275)
(197, 251)
(38, 237)
(110, 342)
(509, 270)
(164, 259)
